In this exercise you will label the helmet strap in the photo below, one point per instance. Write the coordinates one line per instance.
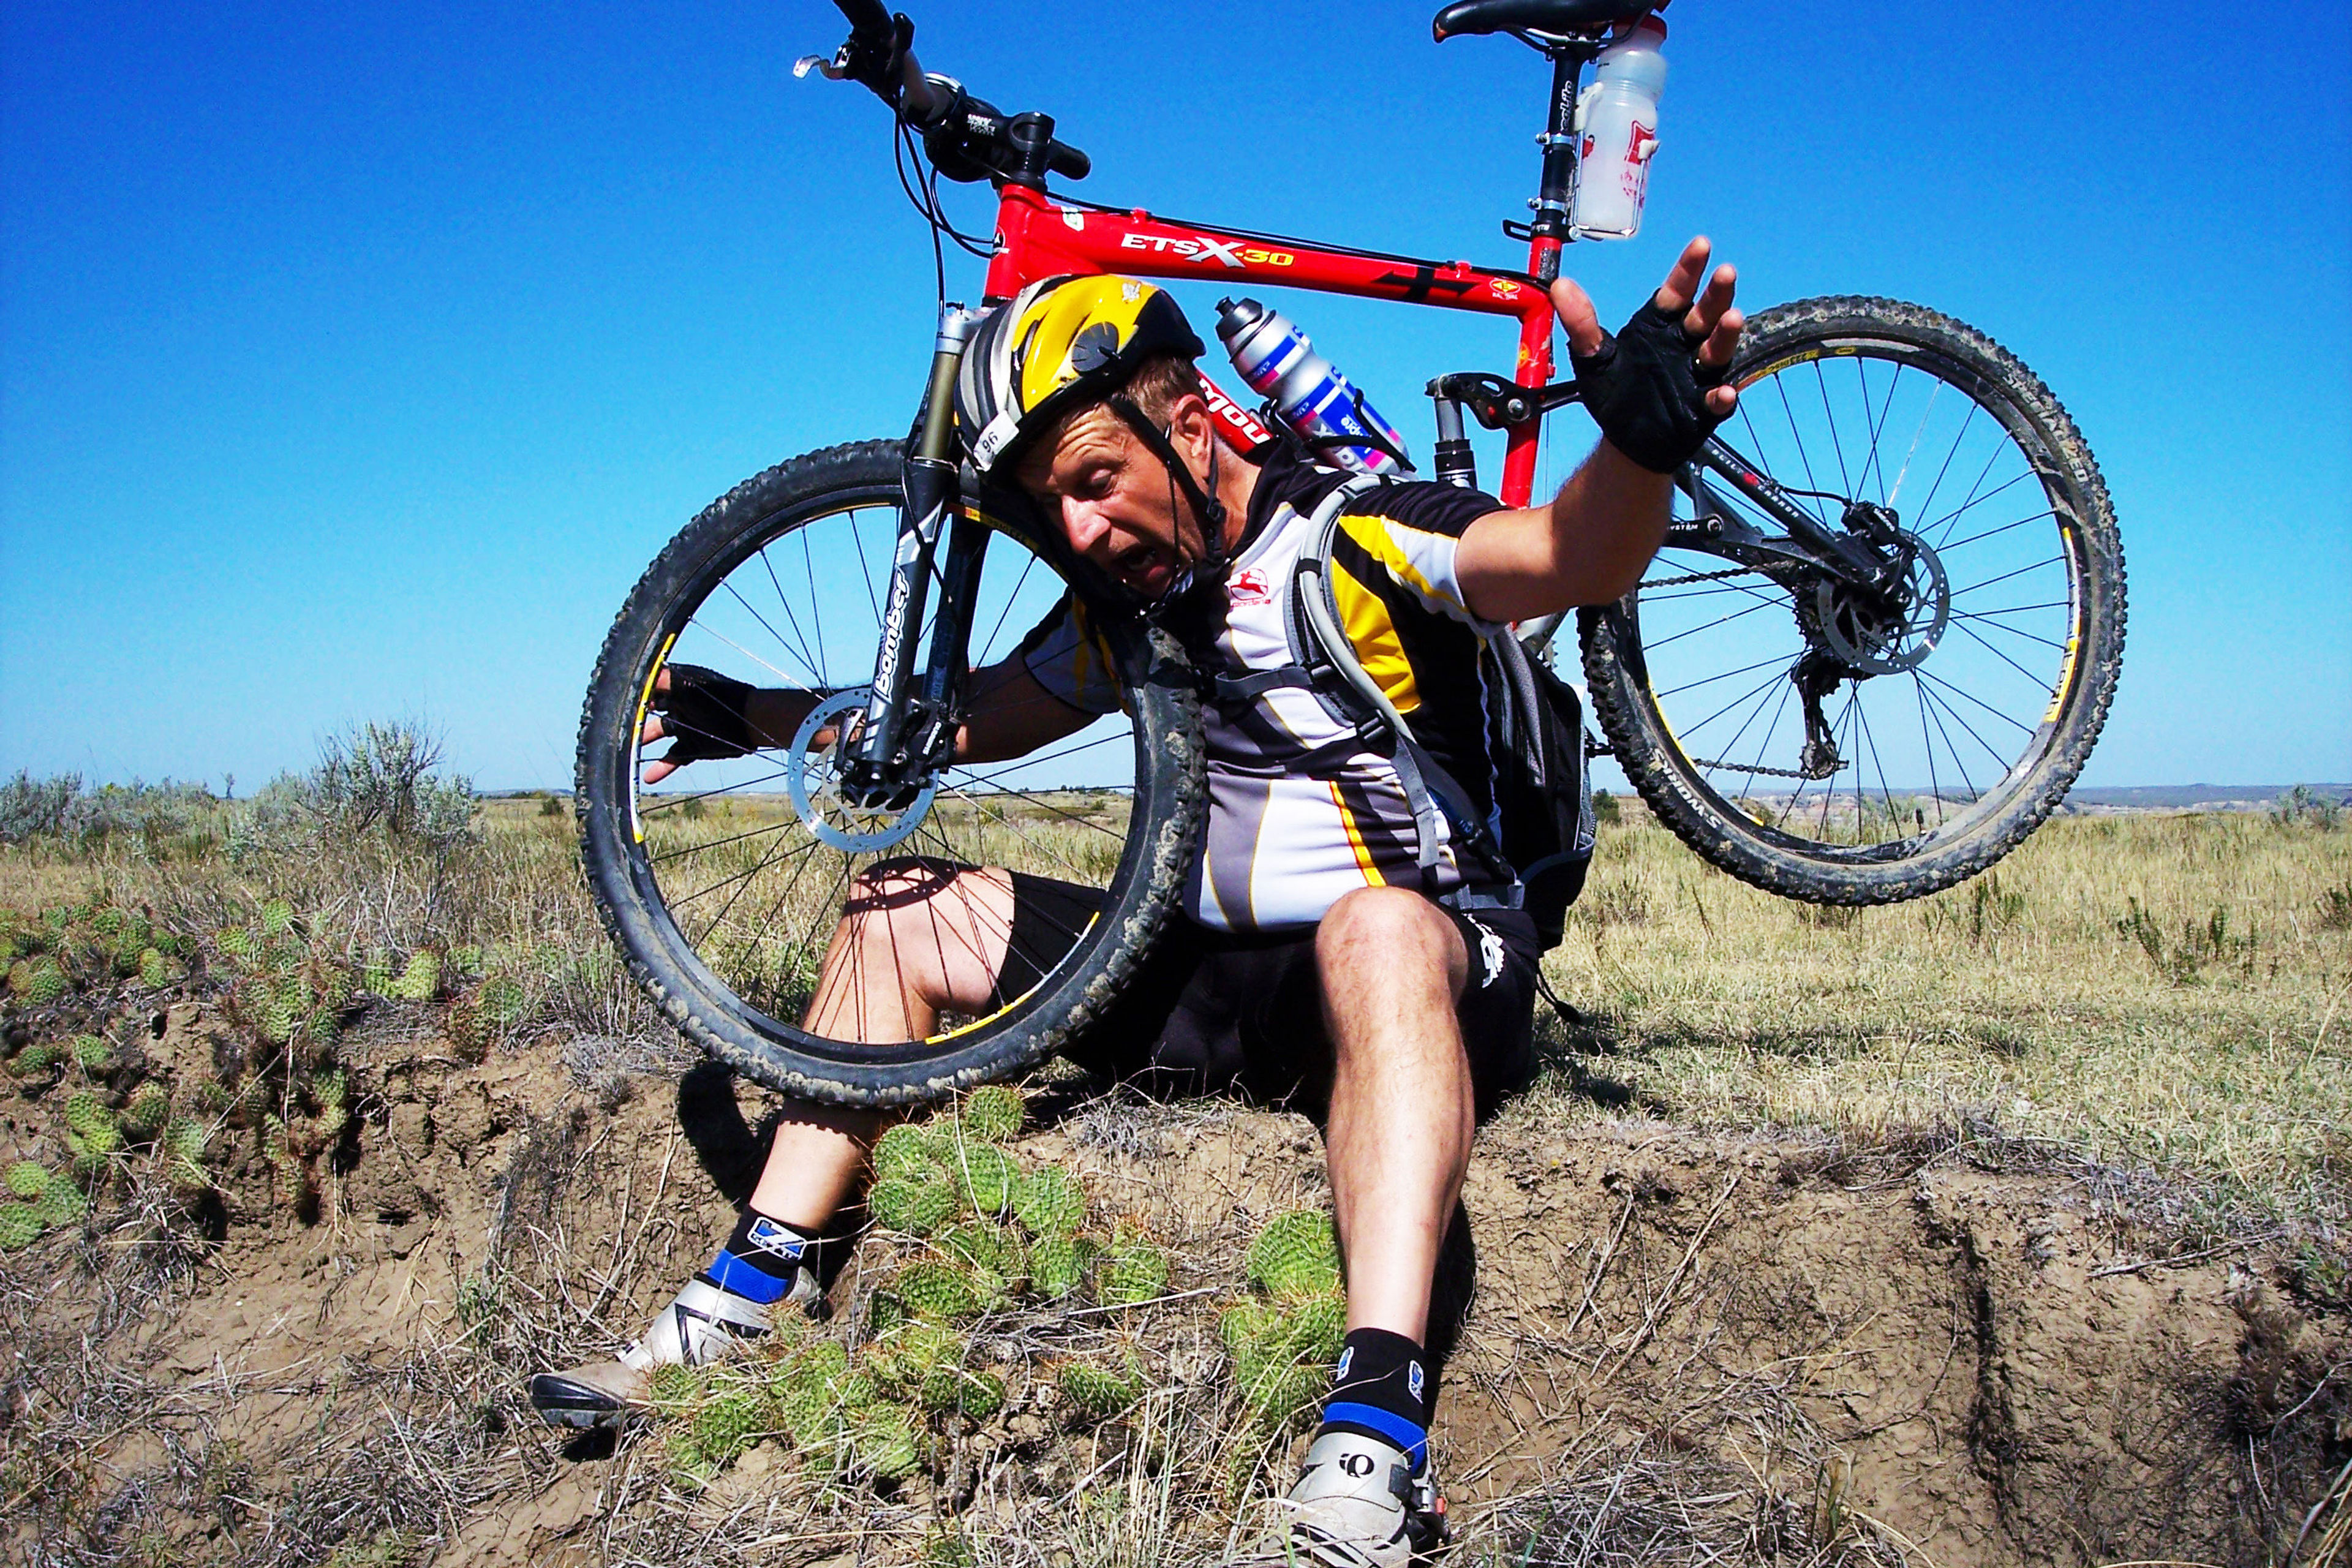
(1207, 510)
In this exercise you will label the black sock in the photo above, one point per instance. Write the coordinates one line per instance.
(761, 1258)
(1382, 1389)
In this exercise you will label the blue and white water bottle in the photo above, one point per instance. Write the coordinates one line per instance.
(1314, 399)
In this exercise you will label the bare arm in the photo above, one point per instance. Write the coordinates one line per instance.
(1588, 546)
(1013, 715)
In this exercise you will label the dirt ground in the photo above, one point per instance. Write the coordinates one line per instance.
(1661, 1345)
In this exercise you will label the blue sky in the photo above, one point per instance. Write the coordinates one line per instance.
(353, 362)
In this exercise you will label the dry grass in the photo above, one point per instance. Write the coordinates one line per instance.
(2167, 991)
(2164, 993)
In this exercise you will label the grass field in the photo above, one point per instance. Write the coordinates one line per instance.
(2158, 1000)
(2166, 990)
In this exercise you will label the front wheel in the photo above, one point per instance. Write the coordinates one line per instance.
(725, 884)
(1846, 748)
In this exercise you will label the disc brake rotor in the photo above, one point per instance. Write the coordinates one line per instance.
(1872, 642)
(812, 778)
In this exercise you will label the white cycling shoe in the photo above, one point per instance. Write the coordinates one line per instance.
(1357, 1505)
(701, 1324)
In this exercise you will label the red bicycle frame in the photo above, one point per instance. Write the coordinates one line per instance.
(1038, 238)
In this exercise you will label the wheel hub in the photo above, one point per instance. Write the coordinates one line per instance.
(812, 777)
(1884, 635)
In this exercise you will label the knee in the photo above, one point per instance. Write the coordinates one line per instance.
(887, 901)
(1375, 932)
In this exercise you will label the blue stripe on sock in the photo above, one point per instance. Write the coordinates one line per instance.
(736, 1278)
(1413, 1439)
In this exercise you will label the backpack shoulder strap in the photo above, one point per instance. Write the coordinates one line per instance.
(1427, 786)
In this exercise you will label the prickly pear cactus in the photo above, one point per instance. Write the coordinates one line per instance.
(994, 1113)
(939, 1290)
(1049, 1201)
(1132, 1270)
(1092, 1393)
(915, 1207)
(1296, 1256)
(906, 1152)
(986, 1176)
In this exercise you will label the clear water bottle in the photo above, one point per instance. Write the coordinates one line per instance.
(1617, 126)
(1314, 399)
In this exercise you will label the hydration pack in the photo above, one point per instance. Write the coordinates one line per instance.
(1535, 847)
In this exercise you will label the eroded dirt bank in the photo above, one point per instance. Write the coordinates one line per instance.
(1667, 1344)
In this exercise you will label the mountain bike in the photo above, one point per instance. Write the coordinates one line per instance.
(1875, 651)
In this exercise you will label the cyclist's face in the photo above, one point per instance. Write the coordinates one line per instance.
(1116, 504)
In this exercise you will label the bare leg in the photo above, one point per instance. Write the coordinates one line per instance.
(916, 938)
(1403, 1109)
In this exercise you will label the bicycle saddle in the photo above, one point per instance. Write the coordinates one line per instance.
(1474, 17)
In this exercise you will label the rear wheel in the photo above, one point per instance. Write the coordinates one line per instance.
(724, 883)
(1858, 753)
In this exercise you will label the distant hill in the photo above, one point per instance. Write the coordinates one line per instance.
(2188, 797)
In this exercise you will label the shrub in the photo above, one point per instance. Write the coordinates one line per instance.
(377, 779)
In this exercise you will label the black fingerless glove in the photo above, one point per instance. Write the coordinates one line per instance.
(1647, 391)
(704, 713)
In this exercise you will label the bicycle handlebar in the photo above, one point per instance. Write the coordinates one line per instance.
(968, 138)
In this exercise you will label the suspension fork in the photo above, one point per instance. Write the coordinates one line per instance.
(908, 723)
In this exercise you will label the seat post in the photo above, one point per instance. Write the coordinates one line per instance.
(1558, 144)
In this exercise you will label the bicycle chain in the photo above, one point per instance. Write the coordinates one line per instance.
(1701, 577)
(1744, 770)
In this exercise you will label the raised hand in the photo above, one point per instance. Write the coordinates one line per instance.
(1656, 389)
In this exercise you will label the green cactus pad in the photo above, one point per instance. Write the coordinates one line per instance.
(674, 1389)
(28, 1178)
(90, 1053)
(1092, 1392)
(152, 968)
(19, 1227)
(1317, 1329)
(1131, 1271)
(39, 981)
(1057, 1264)
(882, 1441)
(277, 918)
(994, 1113)
(60, 1204)
(915, 1207)
(729, 1422)
(1286, 1390)
(911, 1352)
(984, 1177)
(149, 1109)
(87, 1115)
(978, 1394)
(40, 1057)
(419, 981)
(985, 1244)
(939, 1290)
(1049, 1201)
(906, 1152)
(1296, 1256)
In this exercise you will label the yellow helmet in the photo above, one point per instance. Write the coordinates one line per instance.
(1059, 344)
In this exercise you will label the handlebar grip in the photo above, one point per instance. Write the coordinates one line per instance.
(1068, 161)
(869, 18)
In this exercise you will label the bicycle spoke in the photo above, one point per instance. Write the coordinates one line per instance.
(1727, 675)
(2005, 576)
(814, 668)
(1987, 617)
(1719, 620)
(1946, 550)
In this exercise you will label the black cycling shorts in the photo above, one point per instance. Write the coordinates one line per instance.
(1213, 1012)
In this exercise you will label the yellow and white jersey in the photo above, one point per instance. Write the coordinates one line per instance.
(1300, 813)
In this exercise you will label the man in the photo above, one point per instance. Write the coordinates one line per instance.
(1316, 958)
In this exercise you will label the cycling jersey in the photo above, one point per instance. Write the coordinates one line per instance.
(1299, 811)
